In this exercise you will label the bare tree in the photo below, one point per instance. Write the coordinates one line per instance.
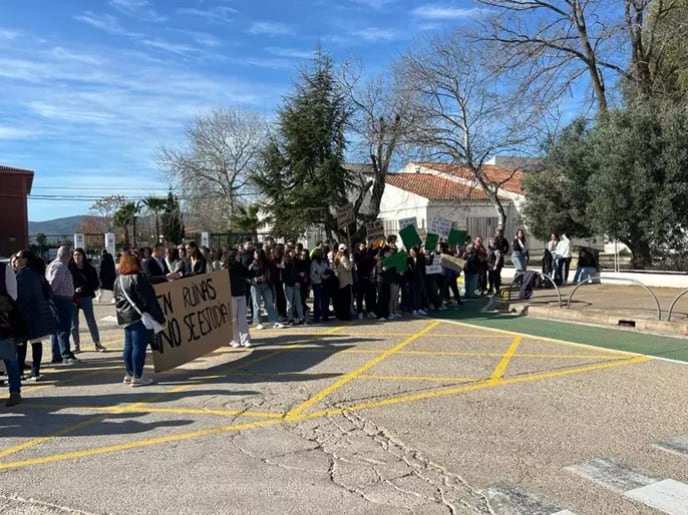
(465, 113)
(381, 118)
(561, 41)
(223, 148)
(106, 207)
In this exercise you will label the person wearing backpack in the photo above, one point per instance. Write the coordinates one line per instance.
(11, 331)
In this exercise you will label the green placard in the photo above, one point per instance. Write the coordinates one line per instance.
(397, 260)
(456, 237)
(431, 241)
(410, 237)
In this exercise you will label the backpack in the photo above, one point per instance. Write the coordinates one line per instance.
(11, 323)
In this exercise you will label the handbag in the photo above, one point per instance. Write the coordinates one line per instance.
(149, 322)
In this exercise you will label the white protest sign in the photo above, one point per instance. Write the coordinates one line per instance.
(405, 222)
(205, 239)
(440, 226)
(345, 215)
(375, 230)
(79, 240)
(110, 242)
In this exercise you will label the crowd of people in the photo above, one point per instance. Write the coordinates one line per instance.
(270, 286)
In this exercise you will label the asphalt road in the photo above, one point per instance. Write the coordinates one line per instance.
(411, 416)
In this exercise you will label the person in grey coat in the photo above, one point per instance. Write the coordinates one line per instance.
(34, 300)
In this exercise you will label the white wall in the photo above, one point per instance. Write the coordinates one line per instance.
(397, 204)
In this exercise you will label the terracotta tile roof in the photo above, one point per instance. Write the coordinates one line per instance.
(494, 174)
(433, 187)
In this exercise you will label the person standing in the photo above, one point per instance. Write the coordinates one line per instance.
(60, 280)
(563, 259)
(85, 280)
(134, 294)
(197, 263)
(291, 282)
(519, 252)
(239, 277)
(11, 330)
(156, 269)
(106, 274)
(321, 301)
(35, 304)
(343, 269)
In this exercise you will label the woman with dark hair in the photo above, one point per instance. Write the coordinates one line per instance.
(85, 279)
(134, 295)
(261, 289)
(344, 270)
(519, 252)
(239, 276)
(34, 301)
(106, 273)
(319, 272)
(197, 263)
(174, 261)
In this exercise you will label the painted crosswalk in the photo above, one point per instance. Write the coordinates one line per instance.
(666, 495)
(513, 500)
(677, 445)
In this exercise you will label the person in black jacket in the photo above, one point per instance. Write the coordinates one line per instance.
(86, 283)
(239, 277)
(156, 268)
(106, 273)
(364, 283)
(11, 330)
(133, 284)
(35, 303)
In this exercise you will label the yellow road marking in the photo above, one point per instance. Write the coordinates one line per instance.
(137, 444)
(360, 370)
(488, 383)
(173, 411)
(422, 378)
(333, 350)
(501, 367)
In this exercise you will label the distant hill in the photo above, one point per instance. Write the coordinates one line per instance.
(57, 227)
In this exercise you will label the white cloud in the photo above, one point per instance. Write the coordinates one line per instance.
(374, 34)
(374, 4)
(13, 133)
(175, 48)
(105, 22)
(439, 12)
(291, 52)
(221, 13)
(270, 27)
(140, 9)
(8, 34)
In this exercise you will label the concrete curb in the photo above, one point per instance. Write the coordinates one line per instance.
(641, 325)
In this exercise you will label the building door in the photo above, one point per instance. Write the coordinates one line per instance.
(484, 227)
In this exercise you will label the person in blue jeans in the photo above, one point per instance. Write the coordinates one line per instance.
(261, 288)
(10, 329)
(134, 295)
(86, 283)
(60, 280)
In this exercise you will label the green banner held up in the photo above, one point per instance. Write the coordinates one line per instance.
(410, 237)
(456, 237)
(431, 241)
(397, 260)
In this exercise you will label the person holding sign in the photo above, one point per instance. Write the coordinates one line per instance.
(239, 277)
(134, 296)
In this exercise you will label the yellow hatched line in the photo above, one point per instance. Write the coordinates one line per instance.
(489, 383)
(332, 350)
(422, 378)
(501, 367)
(133, 406)
(297, 411)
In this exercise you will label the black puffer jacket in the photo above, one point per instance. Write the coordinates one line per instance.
(140, 290)
(85, 279)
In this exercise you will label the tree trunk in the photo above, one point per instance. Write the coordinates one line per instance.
(641, 255)
(133, 231)
(157, 228)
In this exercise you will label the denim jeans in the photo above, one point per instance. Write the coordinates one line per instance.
(13, 377)
(293, 296)
(86, 305)
(263, 291)
(321, 303)
(519, 261)
(60, 340)
(583, 273)
(135, 342)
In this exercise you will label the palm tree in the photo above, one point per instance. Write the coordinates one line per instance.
(126, 216)
(156, 206)
(41, 240)
(246, 219)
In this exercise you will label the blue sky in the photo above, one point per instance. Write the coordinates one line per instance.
(91, 88)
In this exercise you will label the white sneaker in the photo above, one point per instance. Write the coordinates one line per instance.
(372, 315)
(382, 318)
(422, 312)
(142, 381)
(278, 325)
(248, 345)
(234, 344)
(260, 326)
(127, 379)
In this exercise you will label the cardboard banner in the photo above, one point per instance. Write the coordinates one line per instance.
(452, 262)
(405, 222)
(199, 318)
(375, 230)
(434, 269)
(441, 226)
(456, 237)
(410, 237)
(345, 216)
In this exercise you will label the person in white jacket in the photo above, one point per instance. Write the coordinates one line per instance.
(562, 260)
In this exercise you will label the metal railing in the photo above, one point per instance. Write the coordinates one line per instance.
(541, 276)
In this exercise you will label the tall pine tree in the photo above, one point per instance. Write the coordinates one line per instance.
(303, 180)
(172, 224)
